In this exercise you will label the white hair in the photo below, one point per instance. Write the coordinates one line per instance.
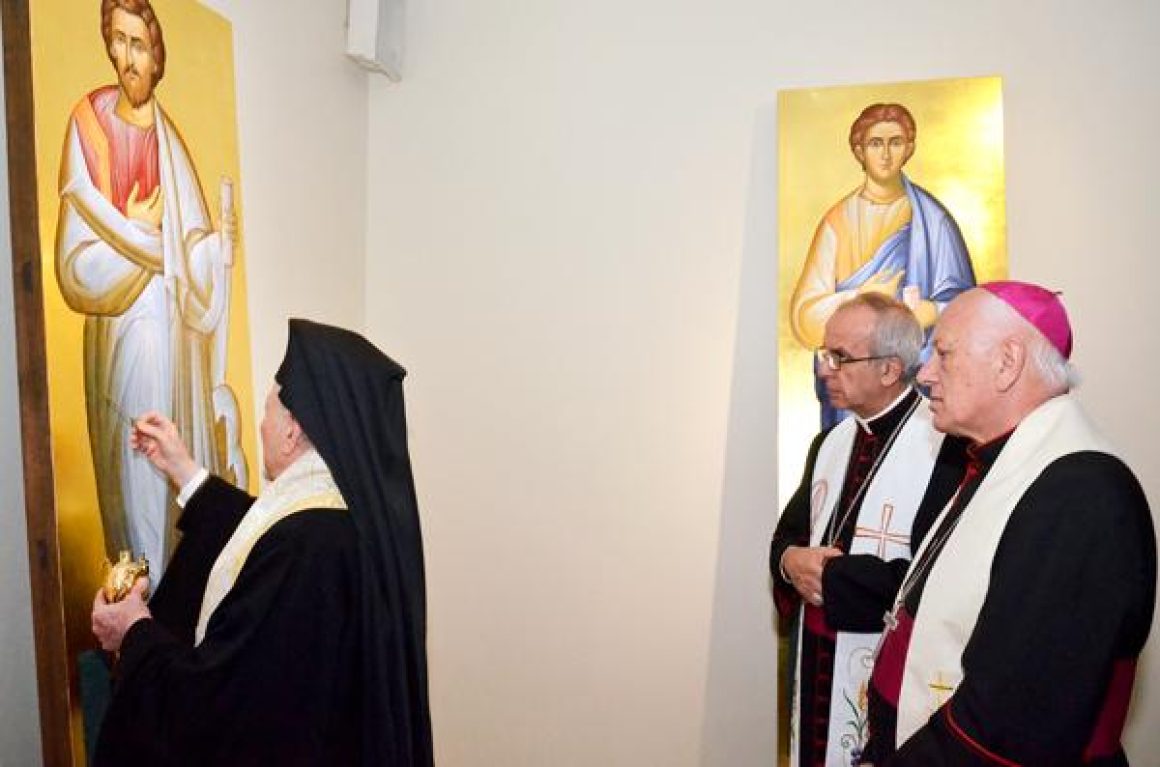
(1055, 372)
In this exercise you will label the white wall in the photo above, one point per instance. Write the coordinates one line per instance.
(571, 246)
(19, 712)
(302, 125)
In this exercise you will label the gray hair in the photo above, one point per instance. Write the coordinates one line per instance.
(896, 330)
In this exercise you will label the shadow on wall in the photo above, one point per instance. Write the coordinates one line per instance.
(740, 698)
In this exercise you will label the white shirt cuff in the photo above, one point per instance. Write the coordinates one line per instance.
(192, 486)
(781, 567)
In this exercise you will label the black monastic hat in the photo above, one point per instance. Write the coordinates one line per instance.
(348, 397)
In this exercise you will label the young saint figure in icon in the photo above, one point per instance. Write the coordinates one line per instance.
(888, 236)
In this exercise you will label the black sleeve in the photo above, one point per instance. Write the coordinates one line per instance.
(1072, 589)
(206, 523)
(262, 684)
(793, 529)
(859, 588)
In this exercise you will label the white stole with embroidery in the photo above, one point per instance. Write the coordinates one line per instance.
(959, 578)
(304, 484)
(883, 525)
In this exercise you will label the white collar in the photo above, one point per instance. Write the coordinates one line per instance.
(865, 422)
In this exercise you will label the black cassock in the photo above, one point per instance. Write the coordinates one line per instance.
(317, 656)
(857, 589)
(276, 679)
(1049, 668)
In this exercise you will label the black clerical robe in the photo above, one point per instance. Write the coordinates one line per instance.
(856, 589)
(276, 681)
(1049, 668)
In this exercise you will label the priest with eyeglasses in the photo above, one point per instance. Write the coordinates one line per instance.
(872, 486)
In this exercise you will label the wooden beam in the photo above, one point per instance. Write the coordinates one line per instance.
(40, 502)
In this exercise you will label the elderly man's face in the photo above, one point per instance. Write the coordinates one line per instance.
(857, 386)
(884, 151)
(275, 433)
(131, 50)
(960, 371)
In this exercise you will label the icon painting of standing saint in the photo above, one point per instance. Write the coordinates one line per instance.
(894, 189)
(138, 254)
(139, 201)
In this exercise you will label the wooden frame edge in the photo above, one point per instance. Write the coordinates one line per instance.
(28, 300)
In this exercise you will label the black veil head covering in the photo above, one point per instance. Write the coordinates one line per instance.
(348, 398)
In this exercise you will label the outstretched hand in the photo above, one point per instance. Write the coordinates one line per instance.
(155, 437)
(112, 620)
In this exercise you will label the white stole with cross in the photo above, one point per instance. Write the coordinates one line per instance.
(883, 524)
(960, 576)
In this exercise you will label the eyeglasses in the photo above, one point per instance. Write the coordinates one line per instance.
(832, 360)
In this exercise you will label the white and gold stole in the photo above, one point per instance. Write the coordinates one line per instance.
(305, 484)
(959, 578)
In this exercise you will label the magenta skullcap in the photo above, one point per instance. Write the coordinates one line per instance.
(1039, 306)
